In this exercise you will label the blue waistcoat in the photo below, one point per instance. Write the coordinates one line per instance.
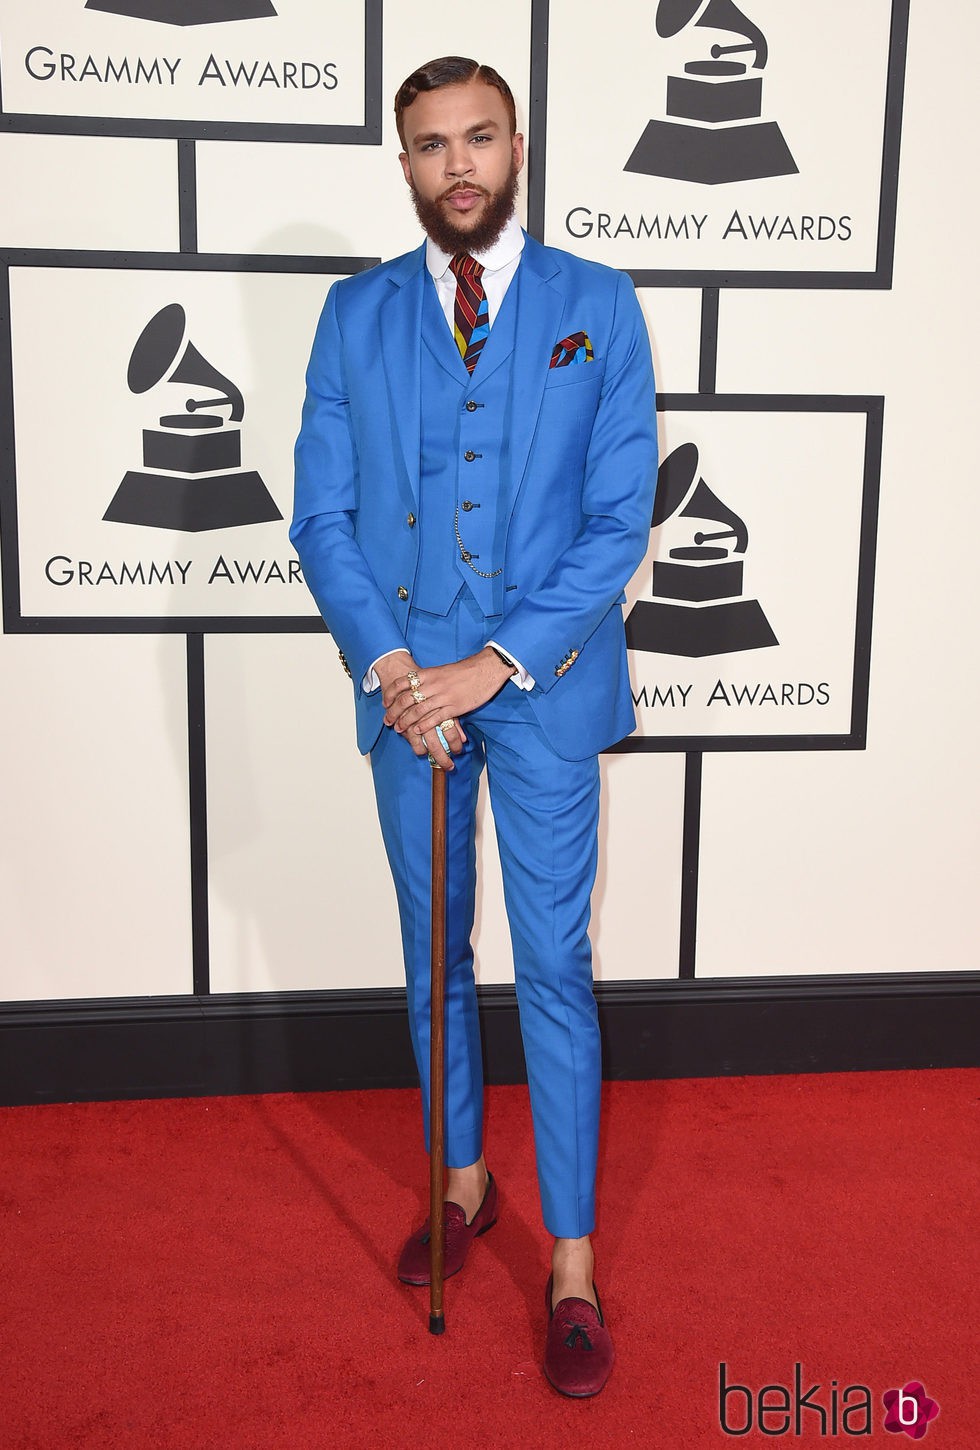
(464, 445)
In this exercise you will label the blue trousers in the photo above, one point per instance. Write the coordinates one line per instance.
(546, 813)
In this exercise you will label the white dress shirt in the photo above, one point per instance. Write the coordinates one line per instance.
(499, 264)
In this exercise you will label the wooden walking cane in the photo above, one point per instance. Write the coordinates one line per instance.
(437, 1090)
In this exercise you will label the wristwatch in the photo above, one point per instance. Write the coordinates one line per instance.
(503, 658)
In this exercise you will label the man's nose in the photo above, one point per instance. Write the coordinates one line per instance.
(458, 160)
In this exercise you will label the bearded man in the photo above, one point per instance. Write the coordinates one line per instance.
(474, 489)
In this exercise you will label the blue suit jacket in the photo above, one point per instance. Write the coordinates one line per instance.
(578, 488)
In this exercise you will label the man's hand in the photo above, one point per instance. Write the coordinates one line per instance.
(393, 672)
(450, 691)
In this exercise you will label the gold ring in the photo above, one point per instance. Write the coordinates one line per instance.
(417, 696)
(449, 724)
(414, 680)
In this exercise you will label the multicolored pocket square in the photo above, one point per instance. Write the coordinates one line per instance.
(575, 348)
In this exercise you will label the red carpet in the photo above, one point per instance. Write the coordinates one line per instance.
(218, 1272)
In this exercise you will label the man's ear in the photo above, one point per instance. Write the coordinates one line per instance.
(406, 167)
(517, 150)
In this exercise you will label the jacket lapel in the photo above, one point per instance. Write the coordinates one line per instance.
(539, 312)
(400, 318)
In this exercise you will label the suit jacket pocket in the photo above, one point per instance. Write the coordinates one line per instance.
(588, 372)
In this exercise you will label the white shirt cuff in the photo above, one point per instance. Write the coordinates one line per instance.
(522, 679)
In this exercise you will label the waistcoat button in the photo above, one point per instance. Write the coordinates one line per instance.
(467, 505)
(402, 592)
(469, 455)
(410, 520)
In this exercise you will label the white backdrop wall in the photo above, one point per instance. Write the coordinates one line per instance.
(817, 856)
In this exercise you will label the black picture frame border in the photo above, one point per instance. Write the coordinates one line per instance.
(880, 279)
(366, 134)
(873, 408)
(14, 620)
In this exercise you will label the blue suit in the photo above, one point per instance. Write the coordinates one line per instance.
(567, 463)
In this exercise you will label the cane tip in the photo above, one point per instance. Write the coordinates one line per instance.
(437, 1324)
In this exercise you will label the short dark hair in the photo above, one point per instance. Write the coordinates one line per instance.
(450, 70)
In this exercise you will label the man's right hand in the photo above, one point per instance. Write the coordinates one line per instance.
(393, 671)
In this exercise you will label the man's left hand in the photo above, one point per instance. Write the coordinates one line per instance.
(449, 690)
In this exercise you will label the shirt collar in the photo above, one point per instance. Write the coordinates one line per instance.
(506, 248)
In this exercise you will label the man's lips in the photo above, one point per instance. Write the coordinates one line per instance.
(464, 199)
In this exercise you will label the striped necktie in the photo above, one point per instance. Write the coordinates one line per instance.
(471, 313)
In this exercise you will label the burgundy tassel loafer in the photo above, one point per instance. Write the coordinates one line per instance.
(579, 1352)
(413, 1266)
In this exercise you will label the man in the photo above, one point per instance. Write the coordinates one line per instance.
(474, 488)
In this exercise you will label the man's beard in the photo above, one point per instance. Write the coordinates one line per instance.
(479, 238)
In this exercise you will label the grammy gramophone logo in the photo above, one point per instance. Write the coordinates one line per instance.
(186, 12)
(715, 131)
(698, 606)
(192, 478)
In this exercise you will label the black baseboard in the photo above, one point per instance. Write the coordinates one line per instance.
(150, 1047)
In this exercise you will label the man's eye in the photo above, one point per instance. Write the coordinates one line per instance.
(431, 145)
(482, 138)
